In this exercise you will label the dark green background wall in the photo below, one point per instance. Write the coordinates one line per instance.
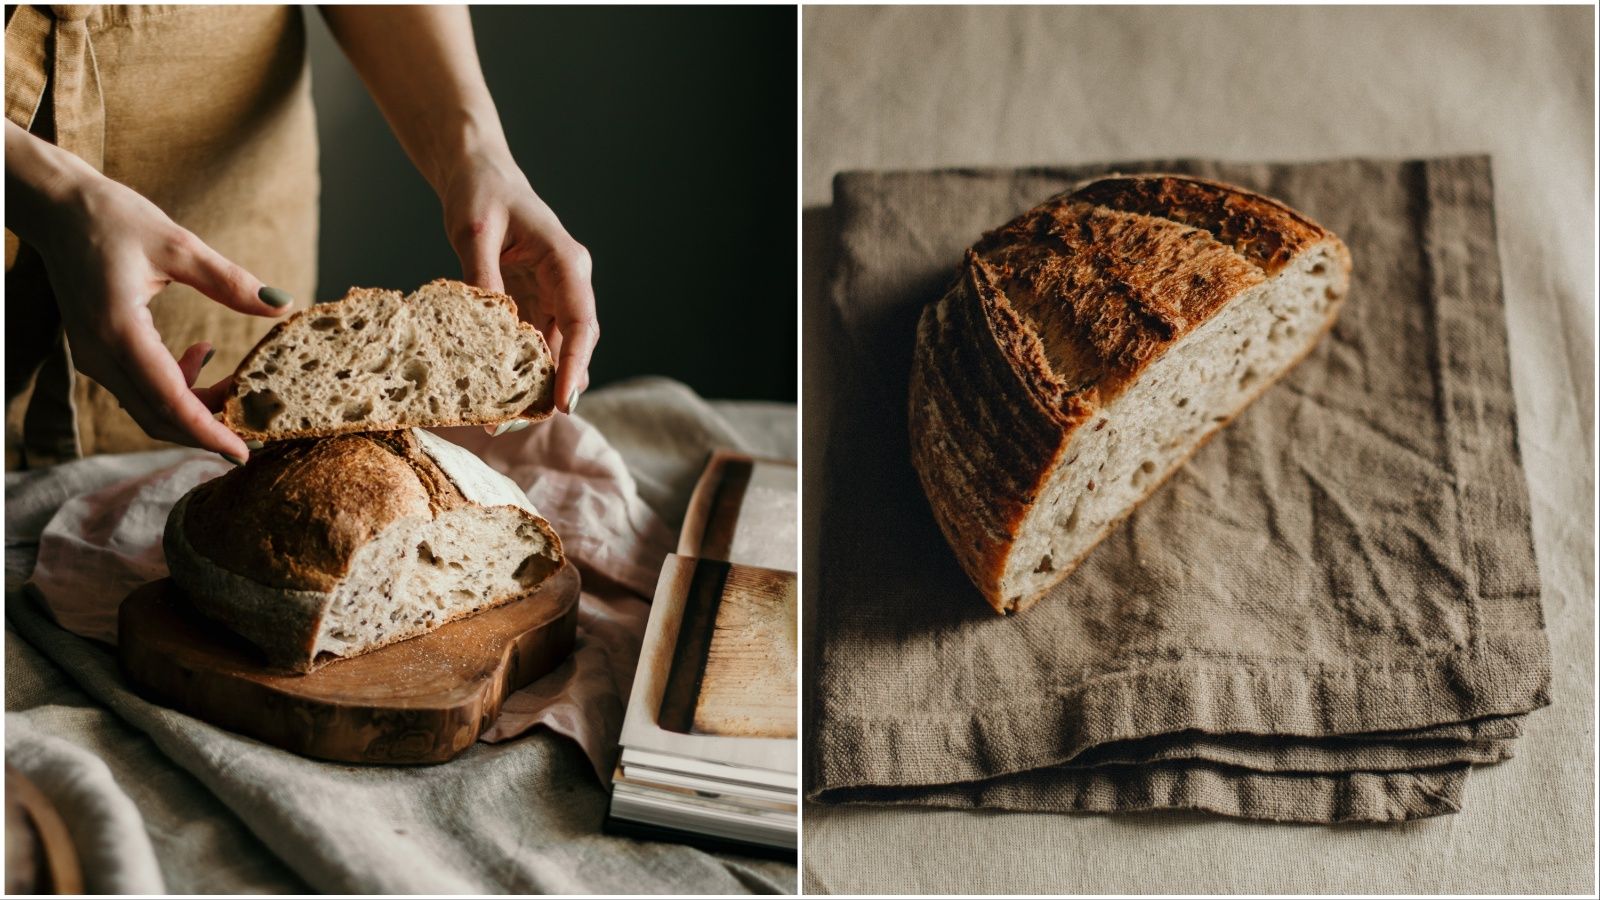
(665, 140)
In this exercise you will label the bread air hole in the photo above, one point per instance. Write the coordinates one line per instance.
(396, 394)
(1247, 379)
(1144, 471)
(1182, 402)
(463, 383)
(414, 371)
(355, 412)
(381, 364)
(532, 569)
(1318, 269)
(1045, 565)
(260, 408)
(310, 365)
(425, 554)
(325, 323)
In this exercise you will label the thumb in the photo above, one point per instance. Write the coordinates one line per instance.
(194, 263)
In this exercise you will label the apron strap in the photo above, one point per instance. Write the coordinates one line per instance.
(52, 51)
(27, 42)
(80, 107)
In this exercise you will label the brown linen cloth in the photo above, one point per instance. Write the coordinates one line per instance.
(204, 110)
(1329, 614)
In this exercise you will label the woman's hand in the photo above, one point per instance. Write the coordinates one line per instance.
(108, 251)
(509, 240)
(421, 65)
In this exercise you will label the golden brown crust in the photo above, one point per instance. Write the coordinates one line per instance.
(1262, 230)
(233, 407)
(295, 516)
(982, 400)
(1108, 291)
(1053, 315)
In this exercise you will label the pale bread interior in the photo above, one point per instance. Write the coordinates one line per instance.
(1190, 391)
(418, 574)
(378, 360)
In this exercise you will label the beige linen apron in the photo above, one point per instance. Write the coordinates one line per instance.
(207, 112)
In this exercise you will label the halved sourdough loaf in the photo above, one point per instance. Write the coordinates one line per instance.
(449, 354)
(326, 548)
(1089, 347)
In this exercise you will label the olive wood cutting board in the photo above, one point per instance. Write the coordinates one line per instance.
(422, 700)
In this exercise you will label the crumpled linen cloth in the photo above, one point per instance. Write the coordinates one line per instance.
(1328, 615)
(224, 813)
(101, 545)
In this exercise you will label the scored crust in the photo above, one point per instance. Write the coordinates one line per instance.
(1052, 316)
(233, 412)
(300, 510)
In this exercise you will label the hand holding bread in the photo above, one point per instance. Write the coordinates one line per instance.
(509, 240)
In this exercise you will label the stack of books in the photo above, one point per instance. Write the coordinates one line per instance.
(709, 744)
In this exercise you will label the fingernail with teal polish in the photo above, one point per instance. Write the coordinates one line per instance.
(231, 458)
(572, 401)
(207, 358)
(513, 425)
(276, 297)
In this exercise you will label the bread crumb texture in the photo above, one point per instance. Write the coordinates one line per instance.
(448, 354)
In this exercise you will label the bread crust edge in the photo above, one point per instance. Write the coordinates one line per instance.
(981, 539)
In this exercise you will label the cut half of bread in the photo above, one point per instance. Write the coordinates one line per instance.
(448, 354)
(327, 548)
(1089, 347)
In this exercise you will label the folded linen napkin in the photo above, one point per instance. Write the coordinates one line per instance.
(1329, 614)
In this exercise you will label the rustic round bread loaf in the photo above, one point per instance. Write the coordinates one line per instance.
(448, 354)
(1088, 347)
(326, 548)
